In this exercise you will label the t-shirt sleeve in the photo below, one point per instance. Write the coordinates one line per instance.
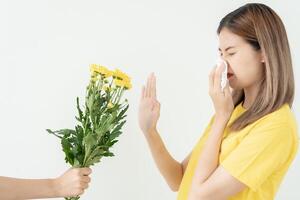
(204, 135)
(260, 153)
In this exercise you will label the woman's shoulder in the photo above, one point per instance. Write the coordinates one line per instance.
(282, 119)
(283, 115)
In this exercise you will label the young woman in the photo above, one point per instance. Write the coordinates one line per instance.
(251, 140)
(72, 183)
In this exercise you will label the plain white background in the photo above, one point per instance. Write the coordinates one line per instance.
(45, 51)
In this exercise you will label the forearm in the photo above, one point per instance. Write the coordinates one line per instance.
(209, 158)
(15, 189)
(170, 169)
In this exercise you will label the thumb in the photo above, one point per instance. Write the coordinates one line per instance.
(157, 105)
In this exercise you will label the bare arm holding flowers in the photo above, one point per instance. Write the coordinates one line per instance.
(149, 111)
(72, 183)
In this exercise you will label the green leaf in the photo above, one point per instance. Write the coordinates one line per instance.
(90, 102)
(108, 154)
(113, 142)
(89, 142)
(66, 145)
(116, 132)
(53, 133)
(93, 161)
(122, 113)
(114, 135)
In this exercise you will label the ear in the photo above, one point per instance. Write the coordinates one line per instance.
(263, 57)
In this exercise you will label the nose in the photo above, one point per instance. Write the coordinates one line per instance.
(229, 70)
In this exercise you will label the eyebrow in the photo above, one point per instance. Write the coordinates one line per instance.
(230, 47)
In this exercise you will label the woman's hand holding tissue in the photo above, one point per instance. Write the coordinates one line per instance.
(222, 100)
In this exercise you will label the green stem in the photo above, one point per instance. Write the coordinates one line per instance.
(113, 96)
(120, 95)
(72, 198)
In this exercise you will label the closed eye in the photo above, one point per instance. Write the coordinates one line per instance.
(230, 54)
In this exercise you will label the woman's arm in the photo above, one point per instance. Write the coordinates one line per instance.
(149, 112)
(210, 180)
(209, 158)
(72, 183)
(171, 170)
(205, 185)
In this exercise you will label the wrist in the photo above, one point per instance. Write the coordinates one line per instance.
(55, 187)
(150, 133)
(222, 117)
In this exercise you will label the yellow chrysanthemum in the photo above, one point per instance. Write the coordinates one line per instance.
(121, 75)
(119, 83)
(122, 83)
(101, 70)
(127, 85)
(93, 70)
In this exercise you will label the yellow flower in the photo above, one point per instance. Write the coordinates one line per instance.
(101, 70)
(92, 69)
(127, 85)
(110, 105)
(120, 78)
(122, 83)
(119, 83)
(120, 75)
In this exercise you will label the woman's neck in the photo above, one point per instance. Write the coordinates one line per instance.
(250, 95)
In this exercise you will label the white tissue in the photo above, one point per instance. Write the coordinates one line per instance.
(224, 73)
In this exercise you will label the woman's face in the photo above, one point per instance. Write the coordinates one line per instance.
(245, 64)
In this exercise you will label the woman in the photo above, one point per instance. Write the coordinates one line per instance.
(250, 142)
(72, 183)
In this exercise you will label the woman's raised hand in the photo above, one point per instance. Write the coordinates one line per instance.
(149, 108)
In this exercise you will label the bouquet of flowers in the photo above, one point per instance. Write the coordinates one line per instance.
(100, 120)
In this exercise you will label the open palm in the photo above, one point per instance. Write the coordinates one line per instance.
(149, 108)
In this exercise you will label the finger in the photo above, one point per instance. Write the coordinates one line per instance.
(84, 185)
(217, 78)
(151, 83)
(86, 179)
(211, 78)
(78, 192)
(154, 87)
(85, 171)
(148, 87)
(143, 92)
(157, 106)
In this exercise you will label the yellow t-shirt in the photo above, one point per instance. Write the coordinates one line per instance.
(259, 155)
